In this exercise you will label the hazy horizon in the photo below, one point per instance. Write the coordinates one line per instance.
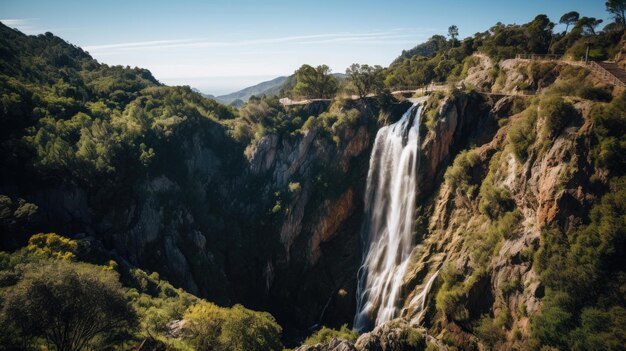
(219, 48)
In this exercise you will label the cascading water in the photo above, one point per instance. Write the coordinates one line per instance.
(387, 232)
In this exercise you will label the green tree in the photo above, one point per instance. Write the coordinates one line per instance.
(366, 79)
(68, 305)
(539, 34)
(569, 19)
(453, 32)
(618, 9)
(588, 24)
(317, 83)
(17, 217)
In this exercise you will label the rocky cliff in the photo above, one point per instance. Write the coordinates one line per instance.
(485, 223)
(483, 218)
(277, 230)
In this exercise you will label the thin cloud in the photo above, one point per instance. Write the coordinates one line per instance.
(363, 39)
(139, 44)
(26, 25)
(16, 22)
(356, 38)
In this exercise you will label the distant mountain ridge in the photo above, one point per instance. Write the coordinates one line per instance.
(270, 87)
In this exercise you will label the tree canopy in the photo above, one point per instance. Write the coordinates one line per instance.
(315, 82)
(589, 24)
(237, 328)
(453, 32)
(68, 305)
(366, 79)
(569, 19)
(618, 9)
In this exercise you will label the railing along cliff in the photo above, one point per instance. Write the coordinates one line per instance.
(604, 74)
(591, 65)
(538, 57)
(596, 68)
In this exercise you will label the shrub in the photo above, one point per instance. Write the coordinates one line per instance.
(500, 81)
(431, 109)
(518, 105)
(468, 63)
(237, 328)
(557, 113)
(494, 200)
(457, 176)
(576, 81)
(489, 331)
(596, 94)
(326, 334)
(310, 123)
(53, 245)
(451, 296)
(294, 187)
(485, 243)
(609, 121)
(506, 225)
(512, 286)
(522, 135)
(332, 122)
(412, 339)
(348, 118)
(538, 70)
(242, 132)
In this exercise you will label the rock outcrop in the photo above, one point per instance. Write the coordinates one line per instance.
(333, 345)
(278, 231)
(549, 188)
(395, 335)
(478, 228)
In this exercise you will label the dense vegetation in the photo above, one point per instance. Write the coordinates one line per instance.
(584, 272)
(51, 297)
(67, 118)
(442, 60)
(583, 267)
(69, 121)
(72, 123)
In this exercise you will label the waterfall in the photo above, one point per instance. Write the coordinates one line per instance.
(419, 300)
(388, 225)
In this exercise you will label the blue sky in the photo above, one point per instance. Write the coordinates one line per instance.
(223, 46)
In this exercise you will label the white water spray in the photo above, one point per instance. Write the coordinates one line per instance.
(388, 227)
(419, 300)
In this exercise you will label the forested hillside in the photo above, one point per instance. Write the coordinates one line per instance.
(135, 214)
